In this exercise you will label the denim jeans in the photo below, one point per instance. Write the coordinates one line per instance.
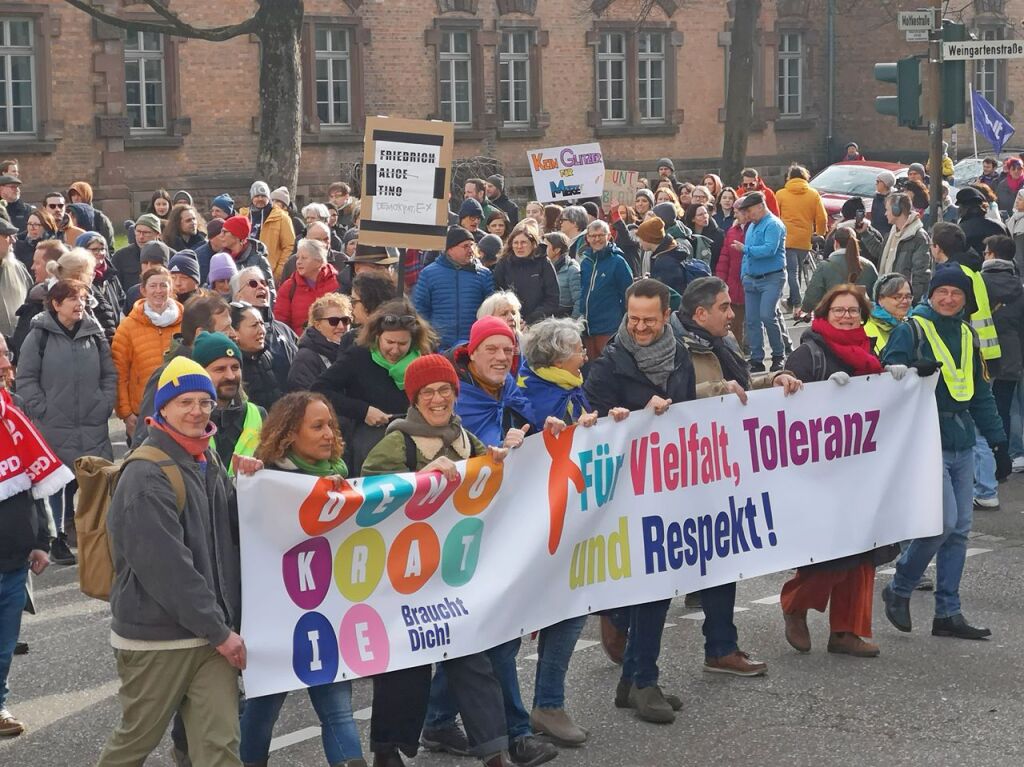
(554, 648)
(761, 297)
(441, 710)
(333, 705)
(643, 646)
(719, 630)
(793, 258)
(12, 602)
(1017, 421)
(948, 547)
(985, 485)
(62, 506)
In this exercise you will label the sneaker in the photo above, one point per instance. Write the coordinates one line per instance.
(650, 705)
(558, 726)
(693, 601)
(530, 750)
(848, 643)
(622, 698)
(987, 504)
(1018, 464)
(778, 363)
(9, 726)
(450, 739)
(60, 552)
(737, 663)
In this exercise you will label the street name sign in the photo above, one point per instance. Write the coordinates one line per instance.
(983, 49)
(921, 21)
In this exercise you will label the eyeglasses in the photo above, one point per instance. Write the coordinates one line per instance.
(845, 311)
(55, 205)
(97, 249)
(335, 321)
(188, 405)
(904, 298)
(645, 321)
(750, 185)
(444, 391)
(257, 283)
(404, 321)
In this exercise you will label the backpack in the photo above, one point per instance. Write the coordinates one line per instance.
(97, 479)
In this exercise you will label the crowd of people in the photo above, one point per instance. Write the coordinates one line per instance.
(239, 339)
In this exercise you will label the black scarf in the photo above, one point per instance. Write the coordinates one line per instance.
(733, 366)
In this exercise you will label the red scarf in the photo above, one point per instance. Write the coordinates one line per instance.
(852, 347)
(194, 446)
(26, 461)
(1014, 185)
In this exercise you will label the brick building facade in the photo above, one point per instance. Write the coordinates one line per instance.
(134, 112)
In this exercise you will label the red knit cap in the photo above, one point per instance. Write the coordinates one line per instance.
(238, 226)
(426, 370)
(485, 327)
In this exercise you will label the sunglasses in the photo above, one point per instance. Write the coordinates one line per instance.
(257, 283)
(750, 185)
(404, 321)
(54, 205)
(335, 321)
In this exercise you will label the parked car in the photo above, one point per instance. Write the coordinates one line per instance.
(969, 169)
(843, 180)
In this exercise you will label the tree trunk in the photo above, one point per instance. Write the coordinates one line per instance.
(280, 145)
(738, 104)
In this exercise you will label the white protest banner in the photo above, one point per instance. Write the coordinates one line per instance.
(401, 570)
(619, 188)
(567, 172)
(406, 171)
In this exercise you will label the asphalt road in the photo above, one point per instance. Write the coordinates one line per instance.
(924, 701)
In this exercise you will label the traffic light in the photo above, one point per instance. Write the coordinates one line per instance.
(905, 106)
(953, 78)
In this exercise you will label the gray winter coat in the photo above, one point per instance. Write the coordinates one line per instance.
(176, 576)
(69, 387)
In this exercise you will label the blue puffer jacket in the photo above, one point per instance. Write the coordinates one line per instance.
(604, 277)
(447, 296)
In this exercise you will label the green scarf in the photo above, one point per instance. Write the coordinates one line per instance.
(395, 369)
(319, 468)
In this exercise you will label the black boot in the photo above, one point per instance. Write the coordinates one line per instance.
(60, 552)
(897, 609)
(956, 626)
(388, 758)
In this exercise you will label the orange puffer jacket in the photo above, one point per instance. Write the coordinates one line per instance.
(138, 349)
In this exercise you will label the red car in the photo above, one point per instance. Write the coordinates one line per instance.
(843, 180)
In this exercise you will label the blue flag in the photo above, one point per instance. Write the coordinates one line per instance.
(989, 123)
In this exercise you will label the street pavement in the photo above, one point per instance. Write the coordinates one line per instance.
(924, 701)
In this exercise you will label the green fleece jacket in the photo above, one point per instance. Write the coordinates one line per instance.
(956, 419)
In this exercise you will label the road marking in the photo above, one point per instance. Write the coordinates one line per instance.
(581, 644)
(283, 741)
(56, 589)
(363, 714)
(699, 614)
(772, 600)
(46, 710)
(969, 553)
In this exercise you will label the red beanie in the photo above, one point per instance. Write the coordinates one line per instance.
(238, 226)
(485, 327)
(428, 369)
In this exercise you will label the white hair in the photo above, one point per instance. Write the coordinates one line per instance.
(318, 225)
(489, 307)
(317, 209)
(551, 341)
(313, 248)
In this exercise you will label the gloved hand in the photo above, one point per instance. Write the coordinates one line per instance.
(896, 371)
(842, 378)
(925, 368)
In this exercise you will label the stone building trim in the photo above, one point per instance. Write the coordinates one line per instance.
(539, 119)
(528, 7)
(457, 6)
(359, 38)
(633, 126)
(47, 27)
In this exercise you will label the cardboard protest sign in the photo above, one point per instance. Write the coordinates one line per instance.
(619, 188)
(388, 572)
(406, 174)
(567, 172)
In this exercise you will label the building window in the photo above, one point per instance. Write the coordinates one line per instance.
(789, 83)
(17, 77)
(611, 77)
(144, 79)
(333, 77)
(514, 70)
(456, 77)
(651, 69)
(986, 71)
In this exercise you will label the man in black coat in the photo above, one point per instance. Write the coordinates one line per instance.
(643, 367)
(494, 187)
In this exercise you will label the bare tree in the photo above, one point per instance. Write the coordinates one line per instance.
(277, 24)
(741, 79)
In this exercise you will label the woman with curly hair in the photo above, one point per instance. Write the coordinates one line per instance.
(301, 435)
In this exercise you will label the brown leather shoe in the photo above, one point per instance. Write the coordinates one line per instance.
(797, 635)
(846, 643)
(613, 641)
(737, 663)
(9, 726)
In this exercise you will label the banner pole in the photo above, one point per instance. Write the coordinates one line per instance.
(974, 125)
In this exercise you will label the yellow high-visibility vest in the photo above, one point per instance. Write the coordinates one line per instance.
(959, 379)
(981, 320)
(249, 439)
